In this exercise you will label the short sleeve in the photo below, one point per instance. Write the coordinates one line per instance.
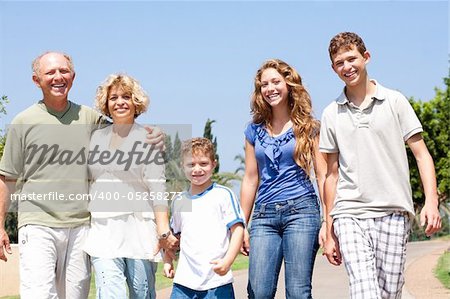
(12, 162)
(175, 219)
(409, 122)
(250, 133)
(327, 140)
(230, 208)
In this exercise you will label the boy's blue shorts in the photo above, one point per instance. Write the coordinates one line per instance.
(222, 292)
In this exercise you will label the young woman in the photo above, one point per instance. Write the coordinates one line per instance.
(281, 152)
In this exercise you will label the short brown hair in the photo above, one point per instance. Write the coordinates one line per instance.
(198, 145)
(346, 40)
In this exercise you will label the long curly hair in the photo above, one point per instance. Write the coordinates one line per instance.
(305, 126)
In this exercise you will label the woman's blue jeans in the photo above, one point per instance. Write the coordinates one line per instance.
(113, 275)
(283, 230)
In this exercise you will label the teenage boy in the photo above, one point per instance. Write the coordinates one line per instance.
(367, 191)
(211, 225)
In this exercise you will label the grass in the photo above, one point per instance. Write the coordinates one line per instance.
(444, 238)
(162, 282)
(442, 270)
(241, 262)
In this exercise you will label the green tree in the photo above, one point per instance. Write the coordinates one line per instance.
(168, 152)
(3, 101)
(435, 118)
(222, 178)
(176, 181)
(11, 217)
(207, 133)
(176, 154)
(241, 159)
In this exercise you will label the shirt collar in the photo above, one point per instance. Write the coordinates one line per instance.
(380, 94)
(189, 195)
(58, 114)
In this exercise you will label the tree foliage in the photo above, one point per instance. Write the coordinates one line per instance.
(222, 178)
(241, 159)
(435, 118)
(11, 217)
(3, 101)
(207, 133)
(176, 180)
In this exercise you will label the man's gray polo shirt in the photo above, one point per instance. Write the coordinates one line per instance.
(373, 166)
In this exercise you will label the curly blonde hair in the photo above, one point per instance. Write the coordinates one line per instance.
(130, 85)
(304, 125)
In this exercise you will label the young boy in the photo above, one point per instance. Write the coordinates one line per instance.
(209, 219)
(367, 192)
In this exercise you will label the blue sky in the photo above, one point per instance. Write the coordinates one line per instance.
(197, 60)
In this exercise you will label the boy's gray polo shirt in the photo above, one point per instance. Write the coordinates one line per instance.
(373, 166)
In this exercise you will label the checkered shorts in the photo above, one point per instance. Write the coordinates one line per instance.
(374, 254)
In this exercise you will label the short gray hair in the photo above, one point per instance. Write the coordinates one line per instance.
(35, 65)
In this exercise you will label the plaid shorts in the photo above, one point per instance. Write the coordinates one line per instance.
(374, 254)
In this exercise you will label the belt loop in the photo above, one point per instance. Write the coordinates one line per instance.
(263, 208)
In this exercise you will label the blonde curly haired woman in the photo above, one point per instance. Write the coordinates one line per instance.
(127, 226)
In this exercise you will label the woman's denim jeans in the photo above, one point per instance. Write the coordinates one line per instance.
(283, 230)
(113, 275)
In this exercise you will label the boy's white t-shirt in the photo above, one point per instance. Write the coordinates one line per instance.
(204, 221)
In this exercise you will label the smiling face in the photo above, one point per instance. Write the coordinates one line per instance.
(198, 169)
(55, 77)
(274, 88)
(120, 105)
(350, 65)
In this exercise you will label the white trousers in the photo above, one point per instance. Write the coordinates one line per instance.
(52, 263)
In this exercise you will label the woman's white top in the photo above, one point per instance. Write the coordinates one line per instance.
(126, 183)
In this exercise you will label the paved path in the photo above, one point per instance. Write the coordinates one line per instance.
(330, 282)
(420, 281)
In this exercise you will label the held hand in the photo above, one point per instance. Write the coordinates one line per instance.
(245, 248)
(168, 270)
(169, 246)
(4, 245)
(322, 234)
(171, 243)
(155, 137)
(220, 267)
(430, 216)
(331, 250)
